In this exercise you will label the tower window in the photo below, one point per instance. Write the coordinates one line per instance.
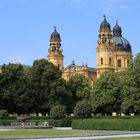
(101, 61)
(128, 62)
(109, 61)
(119, 63)
(59, 66)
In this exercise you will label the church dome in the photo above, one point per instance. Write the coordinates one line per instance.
(55, 36)
(120, 43)
(104, 25)
(117, 31)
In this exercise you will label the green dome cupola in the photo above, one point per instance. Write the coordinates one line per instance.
(120, 43)
(105, 25)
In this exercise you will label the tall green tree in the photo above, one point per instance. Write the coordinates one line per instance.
(83, 109)
(79, 88)
(106, 94)
(47, 86)
(131, 87)
(13, 89)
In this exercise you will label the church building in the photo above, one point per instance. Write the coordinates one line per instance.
(113, 53)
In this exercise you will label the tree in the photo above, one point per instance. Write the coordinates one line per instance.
(83, 109)
(3, 113)
(106, 94)
(58, 112)
(79, 87)
(13, 89)
(47, 86)
(131, 87)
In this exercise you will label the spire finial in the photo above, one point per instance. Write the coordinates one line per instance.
(73, 63)
(86, 64)
(54, 27)
(117, 22)
(104, 16)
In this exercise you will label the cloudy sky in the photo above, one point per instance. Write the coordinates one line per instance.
(26, 26)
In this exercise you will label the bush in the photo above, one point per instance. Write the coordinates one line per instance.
(66, 122)
(58, 112)
(130, 124)
(3, 113)
(5, 123)
(83, 109)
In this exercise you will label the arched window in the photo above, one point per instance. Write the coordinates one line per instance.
(119, 63)
(101, 61)
(128, 62)
(109, 61)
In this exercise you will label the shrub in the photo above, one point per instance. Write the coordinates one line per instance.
(83, 109)
(58, 112)
(3, 113)
(66, 122)
(130, 124)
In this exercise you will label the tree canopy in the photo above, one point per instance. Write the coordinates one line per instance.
(131, 87)
(14, 88)
(40, 87)
(106, 95)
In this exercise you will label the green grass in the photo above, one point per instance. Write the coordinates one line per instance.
(132, 138)
(49, 132)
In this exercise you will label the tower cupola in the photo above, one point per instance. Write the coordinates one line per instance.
(55, 36)
(104, 25)
(117, 31)
(55, 51)
(120, 43)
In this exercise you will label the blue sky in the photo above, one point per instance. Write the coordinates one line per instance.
(26, 26)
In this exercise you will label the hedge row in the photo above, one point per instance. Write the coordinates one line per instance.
(66, 122)
(132, 124)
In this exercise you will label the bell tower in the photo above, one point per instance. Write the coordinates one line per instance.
(55, 51)
(105, 49)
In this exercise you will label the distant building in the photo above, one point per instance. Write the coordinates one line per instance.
(113, 53)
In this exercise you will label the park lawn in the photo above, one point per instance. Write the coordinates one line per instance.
(132, 138)
(49, 132)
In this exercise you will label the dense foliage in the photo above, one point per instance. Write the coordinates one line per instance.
(131, 88)
(47, 86)
(33, 89)
(106, 94)
(14, 89)
(58, 112)
(83, 109)
(40, 87)
(125, 124)
(3, 113)
(79, 88)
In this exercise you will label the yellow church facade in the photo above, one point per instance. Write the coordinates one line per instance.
(113, 53)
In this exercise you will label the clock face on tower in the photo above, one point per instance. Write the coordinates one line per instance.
(101, 54)
(110, 54)
(72, 69)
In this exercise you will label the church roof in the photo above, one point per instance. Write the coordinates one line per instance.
(105, 25)
(55, 35)
(120, 43)
(90, 69)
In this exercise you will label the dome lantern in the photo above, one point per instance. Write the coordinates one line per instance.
(120, 43)
(104, 25)
(117, 31)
